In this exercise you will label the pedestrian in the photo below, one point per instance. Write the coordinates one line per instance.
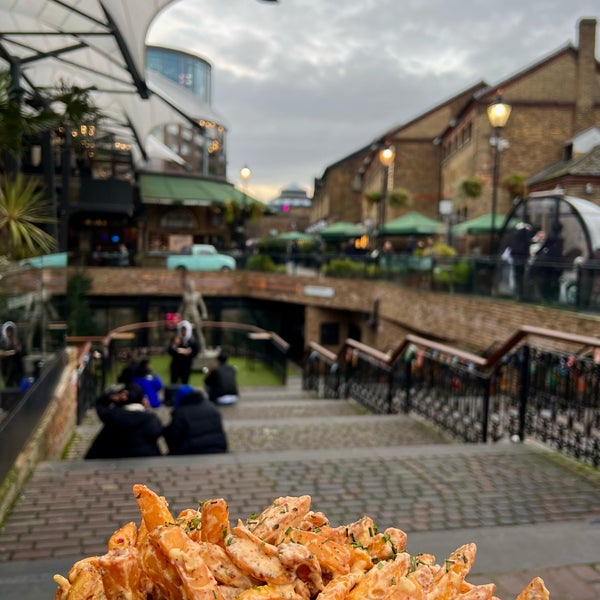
(182, 350)
(221, 382)
(130, 428)
(11, 356)
(149, 381)
(196, 426)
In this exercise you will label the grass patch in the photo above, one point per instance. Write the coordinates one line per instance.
(249, 372)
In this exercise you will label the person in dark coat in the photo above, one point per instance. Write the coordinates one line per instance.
(182, 350)
(11, 356)
(196, 426)
(130, 428)
(221, 382)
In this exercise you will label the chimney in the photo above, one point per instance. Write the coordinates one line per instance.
(585, 75)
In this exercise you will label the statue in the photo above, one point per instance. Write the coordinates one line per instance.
(193, 309)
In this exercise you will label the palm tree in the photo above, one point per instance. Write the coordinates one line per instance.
(22, 210)
(17, 120)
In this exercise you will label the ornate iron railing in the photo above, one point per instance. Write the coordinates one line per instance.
(522, 390)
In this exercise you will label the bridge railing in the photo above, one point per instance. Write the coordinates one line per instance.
(539, 383)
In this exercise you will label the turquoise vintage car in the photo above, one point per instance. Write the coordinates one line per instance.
(203, 257)
(56, 260)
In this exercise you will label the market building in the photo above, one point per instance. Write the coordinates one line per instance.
(450, 152)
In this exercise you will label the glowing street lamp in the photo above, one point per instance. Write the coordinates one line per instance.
(498, 113)
(386, 158)
(245, 173)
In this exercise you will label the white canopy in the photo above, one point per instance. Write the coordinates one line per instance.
(97, 44)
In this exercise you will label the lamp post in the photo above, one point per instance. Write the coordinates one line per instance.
(498, 113)
(245, 173)
(386, 158)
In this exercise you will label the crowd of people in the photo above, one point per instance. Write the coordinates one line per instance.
(135, 415)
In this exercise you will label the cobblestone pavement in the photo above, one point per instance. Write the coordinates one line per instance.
(530, 511)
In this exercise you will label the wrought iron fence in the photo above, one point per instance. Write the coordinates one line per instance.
(521, 391)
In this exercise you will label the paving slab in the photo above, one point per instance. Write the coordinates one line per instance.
(530, 511)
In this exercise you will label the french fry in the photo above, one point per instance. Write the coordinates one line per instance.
(86, 583)
(385, 575)
(182, 553)
(158, 569)
(285, 512)
(333, 557)
(535, 590)
(224, 570)
(287, 552)
(155, 510)
(122, 575)
(124, 537)
(215, 521)
(256, 557)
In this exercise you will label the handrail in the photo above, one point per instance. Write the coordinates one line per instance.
(489, 362)
(115, 333)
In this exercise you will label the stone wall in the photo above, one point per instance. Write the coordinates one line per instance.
(50, 437)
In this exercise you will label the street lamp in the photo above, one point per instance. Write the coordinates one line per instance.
(245, 173)
(498, 113)
(386, 158)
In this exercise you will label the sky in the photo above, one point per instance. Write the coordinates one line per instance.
(303, 83)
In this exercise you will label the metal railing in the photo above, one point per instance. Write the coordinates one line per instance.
(574, 284)
(519, 391)
(149, 338)
(21, 420)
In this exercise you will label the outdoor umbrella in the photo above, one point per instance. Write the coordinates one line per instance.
(341, 231)
(411, 224)
(482, 224)
(294, 236)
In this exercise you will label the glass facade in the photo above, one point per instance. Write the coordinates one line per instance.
(186, 70)
(202, 147)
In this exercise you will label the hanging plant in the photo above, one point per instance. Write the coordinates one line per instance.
(471, 187)
(515, 184)
(373, 196)
(399, 198)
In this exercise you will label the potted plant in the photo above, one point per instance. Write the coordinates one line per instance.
(399, 197)
(515, 184)
(471, 187)
(373, 196)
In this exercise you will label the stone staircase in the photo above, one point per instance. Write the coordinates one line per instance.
(270, 419)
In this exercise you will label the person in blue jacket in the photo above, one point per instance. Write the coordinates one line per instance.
(149, 381)
(196, 426)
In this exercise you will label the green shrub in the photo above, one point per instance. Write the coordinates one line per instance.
(343, 267)
(261, 262)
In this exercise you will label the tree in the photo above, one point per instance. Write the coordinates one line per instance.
(80, 317)
(19, 117)
(22, 211)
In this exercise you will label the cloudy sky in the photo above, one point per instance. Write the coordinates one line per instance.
(303, 83)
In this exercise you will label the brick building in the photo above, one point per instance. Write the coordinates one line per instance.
(553, 102)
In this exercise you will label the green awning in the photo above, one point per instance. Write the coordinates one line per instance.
(189, 191)
(412, 223)
(482, 224)
(342, 230)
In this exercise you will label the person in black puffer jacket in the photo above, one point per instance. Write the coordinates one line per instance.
(130, 427)
(196, 426)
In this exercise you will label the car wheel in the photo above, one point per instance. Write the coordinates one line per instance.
(225, 269)
(181, 269)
